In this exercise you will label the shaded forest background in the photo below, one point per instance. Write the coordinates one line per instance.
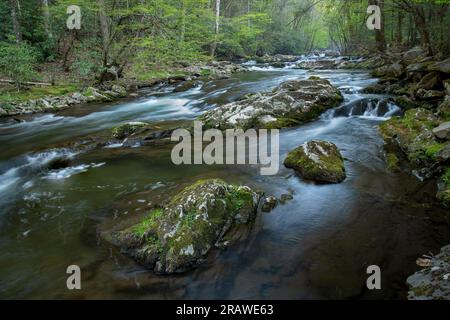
(144, 38)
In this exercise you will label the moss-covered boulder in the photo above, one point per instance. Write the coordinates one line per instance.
(411, 138)
(180, 235)
(127, 129)
(433, 282)
(413, 135)
(394, 70)
(319, 161)
(292, 103)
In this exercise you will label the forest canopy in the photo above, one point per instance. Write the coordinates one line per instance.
(146, 36)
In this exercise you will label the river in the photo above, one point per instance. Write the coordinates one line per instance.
(316, 246)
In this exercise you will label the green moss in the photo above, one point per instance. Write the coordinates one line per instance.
(327, 168)
(433, 149)
(35, 93)
(392, 162)
(149, 222)
(88, 92)
(238, 199)
(205, 72)
(412, 134)
(127, 129)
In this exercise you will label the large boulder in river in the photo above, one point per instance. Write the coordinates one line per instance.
(291, 103)
(319, 161)
(180, 235)
(433, 282)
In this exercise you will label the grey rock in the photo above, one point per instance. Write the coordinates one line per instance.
(318, 161)
(269, 203)
(291, 103)
(442, 131)
(441, 66)
(433, 282)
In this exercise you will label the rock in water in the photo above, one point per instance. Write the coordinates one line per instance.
(433, 282)
(179, 236)
(319, 161)
(125, 130)
(269, 203)
(290, 104)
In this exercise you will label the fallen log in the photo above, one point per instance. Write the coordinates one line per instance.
(26, 83)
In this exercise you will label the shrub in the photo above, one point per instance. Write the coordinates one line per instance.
(17, 61)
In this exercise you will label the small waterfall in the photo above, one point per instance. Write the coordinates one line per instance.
(28, 165)
(367, 108)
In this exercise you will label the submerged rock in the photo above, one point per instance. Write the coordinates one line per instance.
(125, 130)
(319, 161)
(290, 104)
(179, 236)
(433, 282)
(269, 203)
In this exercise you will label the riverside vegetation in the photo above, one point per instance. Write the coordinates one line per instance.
(124, 48)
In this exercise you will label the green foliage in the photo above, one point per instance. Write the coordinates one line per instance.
(148, 222)
(34, 93)
(18, 61)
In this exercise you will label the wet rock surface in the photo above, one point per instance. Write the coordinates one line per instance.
(415, 138)
(433, 282)
(292, 103)
(318, 161)
(179, 236)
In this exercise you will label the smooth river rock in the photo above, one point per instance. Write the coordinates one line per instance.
(319, 161)
(291, 103)
(179, 236)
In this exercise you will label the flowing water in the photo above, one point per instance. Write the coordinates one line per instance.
(316, 246)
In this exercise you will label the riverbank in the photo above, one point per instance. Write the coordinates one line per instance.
(57, 98)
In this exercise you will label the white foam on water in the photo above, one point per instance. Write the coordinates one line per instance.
(249, 63)
(268, 68)
(70, 171)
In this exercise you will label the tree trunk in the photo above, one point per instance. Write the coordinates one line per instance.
(46, 14)
(104, 28)
(216, 29)
(380, 37)
(14, 4)
(421, 23)
(399, 36)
